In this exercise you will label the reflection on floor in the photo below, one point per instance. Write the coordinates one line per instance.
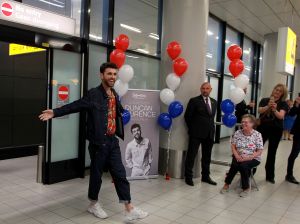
(23, 201)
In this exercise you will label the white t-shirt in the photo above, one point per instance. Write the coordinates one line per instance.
(138, 155)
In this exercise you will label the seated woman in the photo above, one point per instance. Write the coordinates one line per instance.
(247, 146)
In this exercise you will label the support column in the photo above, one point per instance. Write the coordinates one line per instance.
(297, 79)
(269, 75)
(186, 22)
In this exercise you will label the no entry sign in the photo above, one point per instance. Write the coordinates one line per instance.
(63, 96)
(6, 9)
(63, 92)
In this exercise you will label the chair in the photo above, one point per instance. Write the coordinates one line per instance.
(252, 182)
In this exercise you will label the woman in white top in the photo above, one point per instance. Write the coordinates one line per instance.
(247, 146)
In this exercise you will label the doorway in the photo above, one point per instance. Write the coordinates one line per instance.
(23, 95)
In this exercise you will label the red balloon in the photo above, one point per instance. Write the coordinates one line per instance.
(117, 56)
(234, 52)
(180, 66)
(174, 49)
(122, 42)
(236, 67)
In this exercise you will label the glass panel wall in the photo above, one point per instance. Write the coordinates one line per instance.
(146, 72)
(139, 21)
(228, 85)
(214, 43)
(248, 57)
(232, 37)
(65, 130)
(99, 20)
(260, 64)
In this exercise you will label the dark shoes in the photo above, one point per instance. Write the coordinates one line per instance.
(189, 181)
(270, 180)
(208, 180)
(291, 179)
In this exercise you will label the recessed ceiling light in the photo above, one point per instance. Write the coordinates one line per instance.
(142, 50)
(95, 36)
(209, 33)
(153, 36)
(130, 28)
(209, 55)
(130, 56)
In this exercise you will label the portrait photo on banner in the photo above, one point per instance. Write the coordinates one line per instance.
(140, 148)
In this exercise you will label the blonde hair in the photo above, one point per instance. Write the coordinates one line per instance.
(284, 91)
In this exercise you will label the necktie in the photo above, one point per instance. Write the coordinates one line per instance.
(207, 106)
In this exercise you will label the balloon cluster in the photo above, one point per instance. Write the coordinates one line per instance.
(241, 81)
(125, 72)
(167, 95)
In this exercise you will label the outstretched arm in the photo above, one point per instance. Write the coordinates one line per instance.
(46, 115)
(74, 107)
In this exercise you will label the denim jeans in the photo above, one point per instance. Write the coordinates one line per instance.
(108, 157)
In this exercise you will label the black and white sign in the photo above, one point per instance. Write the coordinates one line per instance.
(31, 16)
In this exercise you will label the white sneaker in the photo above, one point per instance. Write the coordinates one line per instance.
(224, 190)
(244, 194)
(97, 211)
(136, 213)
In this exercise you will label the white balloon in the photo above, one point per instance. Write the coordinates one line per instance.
(121, 87)
(232, 86)
(167, 96)
(125, 73)
(237, 95)
(241, 81)
(173, 81)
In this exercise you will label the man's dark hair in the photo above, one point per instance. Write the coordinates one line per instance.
(106, 65)
(135, 126)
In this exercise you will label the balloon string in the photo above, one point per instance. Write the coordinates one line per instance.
(168, 150)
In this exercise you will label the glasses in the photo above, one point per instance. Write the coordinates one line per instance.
(246, 122)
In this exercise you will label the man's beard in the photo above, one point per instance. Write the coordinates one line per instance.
(109, 84)
(137, 137)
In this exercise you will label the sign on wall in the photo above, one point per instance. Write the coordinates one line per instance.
(140, 148)
(63, 96)
(286, 51)
(16, 49)
(27, 15)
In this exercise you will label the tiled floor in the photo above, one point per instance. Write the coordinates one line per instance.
(23, 201)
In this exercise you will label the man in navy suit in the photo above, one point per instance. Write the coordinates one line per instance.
(199, 117)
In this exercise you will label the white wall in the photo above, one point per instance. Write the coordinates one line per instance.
(297, 79)
(269, 75)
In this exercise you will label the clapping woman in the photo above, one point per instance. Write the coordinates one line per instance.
(272, 111)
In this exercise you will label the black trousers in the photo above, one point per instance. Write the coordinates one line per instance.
(108, 157)
(294, 154)
(192, 152)
(244, 168)
(272, 134)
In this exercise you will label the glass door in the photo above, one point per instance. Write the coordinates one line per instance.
(62, 162)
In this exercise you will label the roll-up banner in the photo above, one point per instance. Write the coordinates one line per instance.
(140, 148)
